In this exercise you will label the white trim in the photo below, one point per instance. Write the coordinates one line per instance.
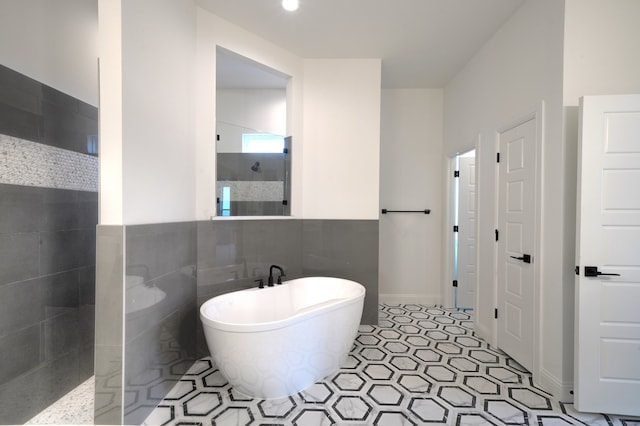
(447, 219)
(560, 390)
(447, 246)
(484, 332)
(538, 116)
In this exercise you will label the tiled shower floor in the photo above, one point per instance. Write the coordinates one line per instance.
(420, 365)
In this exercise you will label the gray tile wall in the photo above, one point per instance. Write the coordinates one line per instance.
(344, 249)
(159, 339)
(39, 113)
(47, 257)
(273, 167)
(232, 254)
(47, 300)
(109, 317)
(237, 166)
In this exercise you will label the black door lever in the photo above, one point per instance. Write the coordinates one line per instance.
(592, 271)
(526, 258)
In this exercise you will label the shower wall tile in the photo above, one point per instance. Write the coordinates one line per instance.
(68, 122)
(47, 246)
(87, 209)
(21, 306)
(30, 393)
(60, 292)
(30, 209)
(20, 92)
(60, 210)
(61, 335)
(24, 162)
(36, 112)
(64, 250)
(29, 302)
(86, 328)
(237, 166)
(86, 284)
(20, 352)
(19, 256)
(20, 209)
(19, 123)
(252, 191)
(256, 208)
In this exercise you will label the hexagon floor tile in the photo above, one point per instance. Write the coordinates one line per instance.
(420, 365)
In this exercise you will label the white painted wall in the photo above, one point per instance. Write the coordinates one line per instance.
(153, 104)
(110, 111)
(249, 110)
(520, 67)
(602, 45)
(411, 179)
(55, 43)
(341, 136)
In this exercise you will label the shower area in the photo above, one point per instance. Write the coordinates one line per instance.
(255, 183)
(48, 217)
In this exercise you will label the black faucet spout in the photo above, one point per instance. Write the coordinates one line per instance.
(271, 268)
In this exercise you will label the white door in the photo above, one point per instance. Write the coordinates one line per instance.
(516, 242)
(466, 290)
(607, 326)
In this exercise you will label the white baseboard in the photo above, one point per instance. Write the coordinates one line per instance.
(397, 299)
(556, 387)
(484, 333)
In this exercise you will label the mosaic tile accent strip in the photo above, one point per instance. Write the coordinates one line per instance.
(420, 365)
(27, 163)
(253, 190)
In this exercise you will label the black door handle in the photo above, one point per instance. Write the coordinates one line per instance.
(526, 258)
(592, 271)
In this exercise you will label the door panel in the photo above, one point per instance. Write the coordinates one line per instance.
(466, 290)
(516, 223)
(607, 343)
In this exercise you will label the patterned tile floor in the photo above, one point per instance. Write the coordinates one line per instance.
(420, 365)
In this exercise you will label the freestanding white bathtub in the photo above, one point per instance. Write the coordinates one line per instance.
(275, 341)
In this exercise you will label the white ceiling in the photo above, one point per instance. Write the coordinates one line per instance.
(422, 43)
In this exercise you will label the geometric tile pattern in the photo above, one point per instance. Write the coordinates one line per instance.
(420, 365)
(28, 163)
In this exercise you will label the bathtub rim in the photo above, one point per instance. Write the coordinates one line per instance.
(299, 316)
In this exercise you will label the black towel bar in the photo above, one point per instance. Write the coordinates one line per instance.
(425, 211)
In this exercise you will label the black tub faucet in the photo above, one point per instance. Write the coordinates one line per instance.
(271, 268)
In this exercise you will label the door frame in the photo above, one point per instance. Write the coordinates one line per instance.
(448, 243)
(538, 262)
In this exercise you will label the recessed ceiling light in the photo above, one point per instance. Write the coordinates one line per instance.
(290, 5)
